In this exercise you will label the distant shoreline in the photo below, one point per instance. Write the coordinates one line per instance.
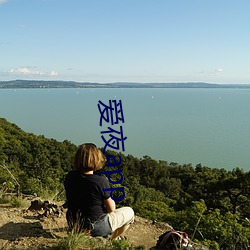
(21, 84)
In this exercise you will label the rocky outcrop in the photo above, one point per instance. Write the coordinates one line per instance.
(46, 208)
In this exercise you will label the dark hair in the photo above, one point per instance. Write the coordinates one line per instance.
(88, 157)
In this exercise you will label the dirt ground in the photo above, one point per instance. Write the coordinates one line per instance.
(25, 229)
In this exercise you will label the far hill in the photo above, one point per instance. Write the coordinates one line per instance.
(71, 84)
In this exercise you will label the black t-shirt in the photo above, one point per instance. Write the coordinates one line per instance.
(85, 194)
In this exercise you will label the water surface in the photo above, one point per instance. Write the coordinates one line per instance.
(207, 126)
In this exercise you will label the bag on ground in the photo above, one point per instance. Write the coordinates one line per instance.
(173, 240)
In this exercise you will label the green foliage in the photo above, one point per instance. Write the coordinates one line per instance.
(8, 186)
(216, 230)
(118, 245)
(83, 241)
(153, 210)
(37, 162)
(212, 205)
(18, 202)
(5, 199)
(75, 241)
(227, 230)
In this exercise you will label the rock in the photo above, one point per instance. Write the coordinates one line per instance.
(36, 205)
(47, 207)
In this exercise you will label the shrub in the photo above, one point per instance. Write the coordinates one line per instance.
(75, 241)
(18, 202)
(152, 210)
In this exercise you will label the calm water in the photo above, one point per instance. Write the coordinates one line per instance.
(207, 126)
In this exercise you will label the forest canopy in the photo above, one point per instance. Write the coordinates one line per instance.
(211, 204)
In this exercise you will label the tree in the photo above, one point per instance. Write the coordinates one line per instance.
(237, 189)
(154, 210)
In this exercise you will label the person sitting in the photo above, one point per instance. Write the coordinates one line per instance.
(89, 207)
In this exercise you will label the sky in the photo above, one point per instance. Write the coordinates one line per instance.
(125, 40)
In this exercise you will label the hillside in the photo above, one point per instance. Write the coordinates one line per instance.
(24, 229)
(16, 84)
(211, 204)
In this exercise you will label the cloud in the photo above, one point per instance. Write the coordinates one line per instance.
(31, 71)
(3, 1)
(211, 72)
(53, 73)
(22, 71)
(218, 70)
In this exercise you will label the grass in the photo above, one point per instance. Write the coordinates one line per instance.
(14, 201)
(75, 241)
(19, 202)
(83, 241)
(52, 195)
(5, 200)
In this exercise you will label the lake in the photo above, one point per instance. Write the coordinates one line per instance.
(207, 126)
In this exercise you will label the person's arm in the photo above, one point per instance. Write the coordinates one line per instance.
(110, 205)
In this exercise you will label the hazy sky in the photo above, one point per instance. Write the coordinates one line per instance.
(125, 40)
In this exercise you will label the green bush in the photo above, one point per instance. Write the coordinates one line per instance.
(18, 202)
(154, 210)
(5, 200)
